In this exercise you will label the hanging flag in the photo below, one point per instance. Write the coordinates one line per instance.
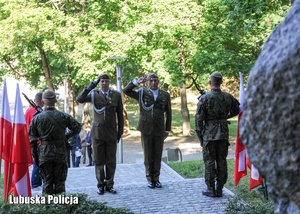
(6, 142)
(241, 159)
(240, 169)
(255, 179)
(21, 153)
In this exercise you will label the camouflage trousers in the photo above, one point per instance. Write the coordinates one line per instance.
(54, 176)
(214, 156)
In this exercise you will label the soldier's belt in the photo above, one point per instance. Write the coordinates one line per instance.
(216, 121)
(51, 142)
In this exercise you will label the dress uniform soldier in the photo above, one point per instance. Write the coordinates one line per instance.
(154, 123)
(107, 129)
(213, 110)
(49, 127)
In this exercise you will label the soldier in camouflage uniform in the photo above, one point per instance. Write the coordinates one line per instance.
(51, 154)
(213, 110)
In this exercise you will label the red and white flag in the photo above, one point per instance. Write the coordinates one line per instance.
(255, 179)
(241, 159)
(240, 169)
(21, 153)
(6, 141)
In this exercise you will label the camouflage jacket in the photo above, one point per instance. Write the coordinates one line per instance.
(213, 110)
(53, 140)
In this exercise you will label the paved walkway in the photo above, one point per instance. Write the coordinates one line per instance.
(178, 195)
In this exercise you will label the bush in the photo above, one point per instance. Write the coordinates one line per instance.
(236, 205)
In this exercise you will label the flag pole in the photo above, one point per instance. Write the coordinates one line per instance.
(119, 69)
(264, 189)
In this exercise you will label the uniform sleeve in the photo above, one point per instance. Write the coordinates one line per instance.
(84, 96)
(200, 116)
(120, 116)
(33, 137)
(235, 108)
(128, 90)
(168, 114)
(74, 126)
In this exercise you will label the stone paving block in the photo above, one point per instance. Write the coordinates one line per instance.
(178, 195)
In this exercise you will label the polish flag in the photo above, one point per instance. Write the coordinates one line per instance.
(21, 153)
(241, 159)
(240, 169)
(6, 142)
(255, 179)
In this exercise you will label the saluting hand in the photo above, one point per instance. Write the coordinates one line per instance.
(142, 80)
(93, 84)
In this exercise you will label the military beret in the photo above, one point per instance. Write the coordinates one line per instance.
(49, 94)
(216, 74)
(104, 76)
(152, 75)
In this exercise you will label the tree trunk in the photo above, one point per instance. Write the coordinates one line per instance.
(72, 102)
(46, 69)
(184, 108)
(186, 127)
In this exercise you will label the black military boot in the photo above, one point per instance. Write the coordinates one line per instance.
(219, 191)
(210, 192)
(100, 190)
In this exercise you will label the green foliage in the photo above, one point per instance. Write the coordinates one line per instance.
(156, 35)
(171, 37)
(132, 108)
(232, 127)
(235, 205)
(233, 32)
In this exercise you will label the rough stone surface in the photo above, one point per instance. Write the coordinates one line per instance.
(270, 126)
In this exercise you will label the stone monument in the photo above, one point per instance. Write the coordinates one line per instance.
(270, 125)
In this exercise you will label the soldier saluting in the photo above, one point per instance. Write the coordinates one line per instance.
(154, 123)
(107, 129)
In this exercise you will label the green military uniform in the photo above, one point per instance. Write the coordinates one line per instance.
(154, 120)
(52, 151)
(213, 110)
(107, 128)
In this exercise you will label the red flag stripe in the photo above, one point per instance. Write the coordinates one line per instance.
(21, 156)
(240, 169)
(255, 179)
(6, 132)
